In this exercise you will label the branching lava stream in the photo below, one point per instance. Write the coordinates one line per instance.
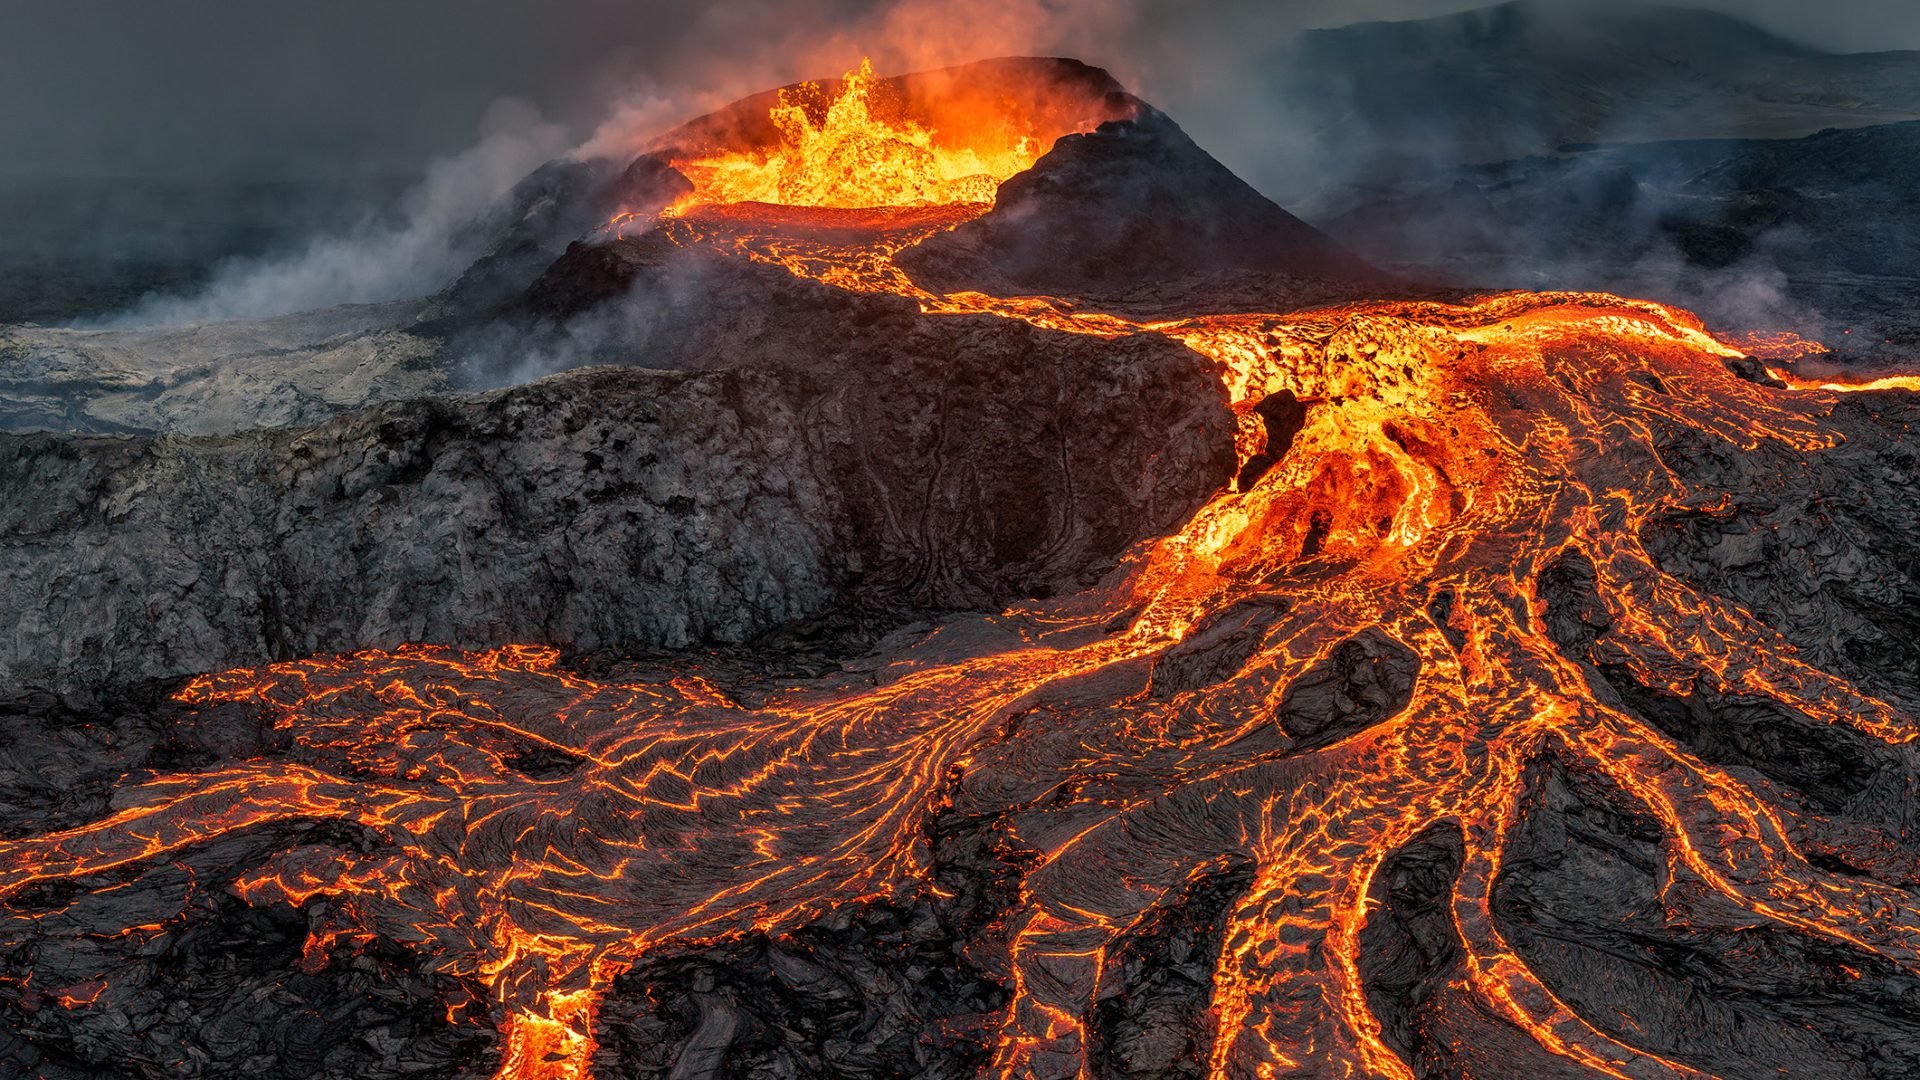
(1448, 455)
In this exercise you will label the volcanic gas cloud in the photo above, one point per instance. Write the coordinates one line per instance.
(1465, 729)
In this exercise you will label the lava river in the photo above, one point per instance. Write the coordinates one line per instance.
(1438, 460)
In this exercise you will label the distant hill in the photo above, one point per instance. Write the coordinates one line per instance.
(1747, 231)
(1382, 100)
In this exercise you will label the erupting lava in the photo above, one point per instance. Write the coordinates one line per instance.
(855, 156)
(1444, 458)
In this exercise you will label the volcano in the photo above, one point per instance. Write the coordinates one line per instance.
(992, 595)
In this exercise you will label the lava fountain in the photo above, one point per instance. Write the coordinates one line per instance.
(855, 157)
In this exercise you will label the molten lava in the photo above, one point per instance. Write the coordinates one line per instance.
(840, 148)
(1447, 452)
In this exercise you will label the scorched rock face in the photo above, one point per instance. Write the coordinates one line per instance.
(1444, 715)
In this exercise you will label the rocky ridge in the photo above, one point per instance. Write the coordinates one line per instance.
(898, 461)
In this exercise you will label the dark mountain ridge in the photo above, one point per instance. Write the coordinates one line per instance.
(1815, 233)
(1387, 99)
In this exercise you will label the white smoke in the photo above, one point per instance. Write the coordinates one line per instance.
(430, 243)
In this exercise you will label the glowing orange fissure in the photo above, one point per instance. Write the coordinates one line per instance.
(1884, 382)
(1785, 346)
(1457, 448)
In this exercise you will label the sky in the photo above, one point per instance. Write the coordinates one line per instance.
(275, 88)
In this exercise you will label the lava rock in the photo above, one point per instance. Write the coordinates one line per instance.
(554, 206)
(169, 973)
(920, 463)
(1825, 546)
(1754, 371)
(1631, 942)
(1155, 1020)
(1134, 200)
(1364, 680)
(1409, 948)
(884, 991)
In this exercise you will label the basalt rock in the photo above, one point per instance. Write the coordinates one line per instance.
(560, 202)
(879, 992)
(1156, 1023)
(1409, 948)
(1824, 546)
(206, 984)
(920, 463)
(1132, 201)
(1634, 943)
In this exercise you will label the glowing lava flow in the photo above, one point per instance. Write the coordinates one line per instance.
(1784, 345)
(1885, 382)
(1446, 452)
